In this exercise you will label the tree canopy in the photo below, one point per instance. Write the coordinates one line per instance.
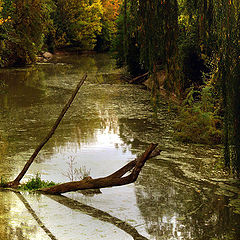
(29, 27)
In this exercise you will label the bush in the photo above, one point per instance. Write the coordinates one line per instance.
(198, 120)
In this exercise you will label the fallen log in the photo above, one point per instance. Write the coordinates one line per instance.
(17, 180)
(139, 79)
(115, 179)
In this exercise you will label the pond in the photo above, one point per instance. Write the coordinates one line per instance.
(109, 123)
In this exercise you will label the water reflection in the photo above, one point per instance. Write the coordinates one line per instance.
(16, 223)
(178, 209)
(32, 93)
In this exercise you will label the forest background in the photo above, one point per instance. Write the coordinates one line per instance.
(190, 48)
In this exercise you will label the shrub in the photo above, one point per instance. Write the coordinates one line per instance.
(3, 182)
(198, 120)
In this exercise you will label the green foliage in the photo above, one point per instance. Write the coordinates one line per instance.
(78, 22)
(49, 31)
(198, 119)
(118, 42)
(37, 183)
(3, 182)
(22, 37)
(33, 26)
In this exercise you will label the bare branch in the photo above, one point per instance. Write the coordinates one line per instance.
(17, 180)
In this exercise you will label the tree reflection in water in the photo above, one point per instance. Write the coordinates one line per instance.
(176, 209)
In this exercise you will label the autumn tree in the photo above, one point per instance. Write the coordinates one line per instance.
(78, 22)
(111, 10)
(23, 36)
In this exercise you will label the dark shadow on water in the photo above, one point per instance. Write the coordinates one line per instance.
(30, 210)
(98, 214)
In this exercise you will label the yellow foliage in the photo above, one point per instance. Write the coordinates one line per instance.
(83, 20)
(2, 20)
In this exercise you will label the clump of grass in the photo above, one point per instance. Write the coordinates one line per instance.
(37, 183)
(3, 182)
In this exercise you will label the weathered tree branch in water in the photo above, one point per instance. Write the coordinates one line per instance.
(98, 214)
(115, 179)
(131, 164)
(139, 79)
(16, 182)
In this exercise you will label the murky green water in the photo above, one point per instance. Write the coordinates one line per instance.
(109, 123)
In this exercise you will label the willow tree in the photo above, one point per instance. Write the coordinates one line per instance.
(228, 28)
(173, 80)
(217, 31)
(158, 36)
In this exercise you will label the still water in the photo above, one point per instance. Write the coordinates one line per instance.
(109, 124)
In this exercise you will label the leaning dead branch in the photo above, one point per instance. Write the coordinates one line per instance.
(115, 179)
(17, 180)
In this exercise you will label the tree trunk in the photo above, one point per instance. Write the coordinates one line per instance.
(115, 179)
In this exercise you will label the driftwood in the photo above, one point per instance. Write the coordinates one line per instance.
(17, 180)
(139, 79)
(115, 179)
